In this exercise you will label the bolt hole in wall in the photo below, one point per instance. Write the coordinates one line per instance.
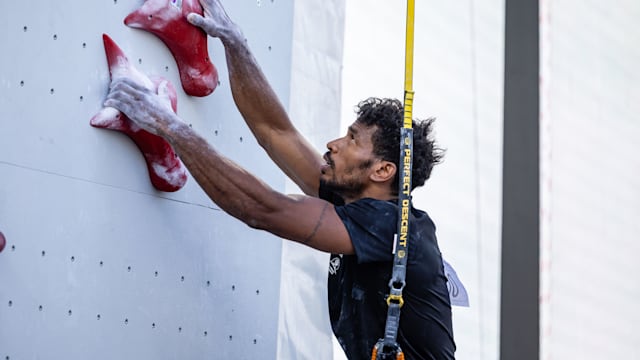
(126, 320)
(105, 271)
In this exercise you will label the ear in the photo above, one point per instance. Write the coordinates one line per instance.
(383, 171)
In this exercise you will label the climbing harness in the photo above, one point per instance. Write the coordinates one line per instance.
(387, 347)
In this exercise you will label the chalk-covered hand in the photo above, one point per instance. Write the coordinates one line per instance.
(215, 22)
(150, 111)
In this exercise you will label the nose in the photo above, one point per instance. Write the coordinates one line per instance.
(333, 145)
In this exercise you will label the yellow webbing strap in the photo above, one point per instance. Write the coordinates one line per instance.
(387, 347)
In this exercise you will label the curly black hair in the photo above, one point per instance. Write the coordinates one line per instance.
(387, 115)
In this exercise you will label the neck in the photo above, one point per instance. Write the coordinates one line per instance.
(372, 194)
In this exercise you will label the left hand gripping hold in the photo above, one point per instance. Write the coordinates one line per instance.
(166, 171)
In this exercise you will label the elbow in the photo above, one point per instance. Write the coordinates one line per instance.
(264, 142)
(254, 223)
(259, 216)
(270, 214)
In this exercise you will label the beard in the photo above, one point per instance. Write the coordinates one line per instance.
(350, 186)
(349, 189)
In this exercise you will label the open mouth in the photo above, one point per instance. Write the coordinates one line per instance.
(328, 163)
(327, 159)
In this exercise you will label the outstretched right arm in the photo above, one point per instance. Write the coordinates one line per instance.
(258, 103)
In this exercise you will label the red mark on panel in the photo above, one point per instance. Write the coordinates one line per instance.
(166, 171)
(3, 241)
(167, 20)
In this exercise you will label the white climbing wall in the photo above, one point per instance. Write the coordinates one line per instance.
(100, 265)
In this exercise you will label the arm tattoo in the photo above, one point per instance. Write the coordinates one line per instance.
(315, 229)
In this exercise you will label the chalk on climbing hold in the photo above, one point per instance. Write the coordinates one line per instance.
(167, 20)
(166, 171)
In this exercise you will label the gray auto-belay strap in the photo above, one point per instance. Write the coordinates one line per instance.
(388, 347)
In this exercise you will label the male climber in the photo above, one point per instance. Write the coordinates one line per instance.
(350, 204)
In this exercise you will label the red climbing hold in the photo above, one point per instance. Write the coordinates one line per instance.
(166, 171)
(167, 20)
(3, 241)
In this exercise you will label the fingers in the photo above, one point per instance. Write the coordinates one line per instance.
(126, 89)
(124, 94)
(214, 21)
(120, 100)
(163, 93)
(123, 91)
(195, 19)
(128, 83)
(113, 103)
(163, 89)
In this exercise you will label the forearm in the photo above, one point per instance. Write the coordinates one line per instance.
(267, 118)
(252, 93)
(259, 104)
(234, 190)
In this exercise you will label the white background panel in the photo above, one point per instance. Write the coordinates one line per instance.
(591, 102)
(314, 107)
(458, 78)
